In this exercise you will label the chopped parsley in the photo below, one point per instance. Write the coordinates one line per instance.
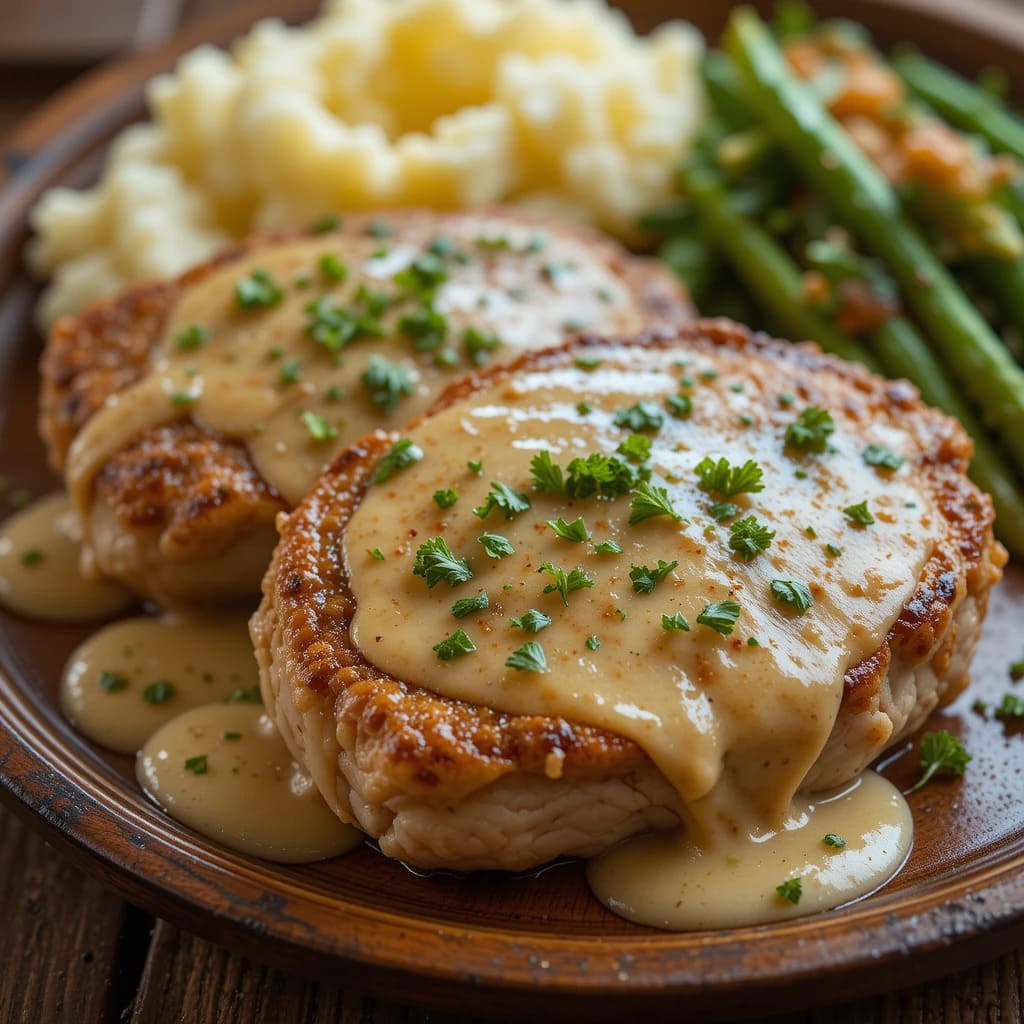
(1011, 706)
(833, 550)
(811, 430)
(720, 616)
(501, 496)
(575, 531)
(403, 453)
(467, 605)
(547, 474)
(941, 753)
(607, 547)
(180, 398)
(598, 474)
(454, 646)
(584, 408)
(258, 290)
(593, 642)
(642, 416)
(836, 842)
(479, 345)
(475, 466)
(681, 406)
(532, 621)
(436, 563)
(232, 736)
(723, 478)
(723, 510)
(495, 545)
(426, 326)
(882, 457)
(245, 695)
(319, 429)
(648, 502)
(33, 556)
(335, 326)
(376, 554)
(748, 538)
(786, 399)
(645, 578)
(859, 514)
(159, 692)
(332, 267)
(752, 641)
(1017, 670)
(791, 890)
(111, 682)
(675, 621)
(446, 498)
(196, 765)
(291, 371)
(528, 658)
(587, 362)
(326, 224)
(565, 583)
(191, 337)
(379, 229)
(793, 592)
(386, 383)
(422, 277)
(636, 448)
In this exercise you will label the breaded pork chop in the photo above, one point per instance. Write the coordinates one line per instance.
(375, 692)
(356, 327)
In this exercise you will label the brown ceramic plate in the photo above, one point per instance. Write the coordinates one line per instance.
(488, 943)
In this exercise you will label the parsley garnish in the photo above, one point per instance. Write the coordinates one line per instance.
(454, 646)
(791, 890)
(720, 616)
(645, 578)
(723, 478)
(676, 621)
(501, 496)
(479, 345)
(636, 448)
(793, 592)
(403, 453)
(33, 556)
(332, 268)
(196, 765)
(833, 550)
(111, 682)
(587, 362)
(467, 605)
(565, 583)
(258, 291)
(882, 457)
(941, 754)
(335, 326)
(232, 736)
(681, 406)
(593, 642)
(547, 474)
(598, 474)
(326, 224)
(575, 531)
(386, 383)
(436, 562)
(607, 547)
(723, 510)
(642, 416)
(475, 466)
(319, 429)
(859, 514)
(379, 229)
(1012, 706)
(532, 621)
(291, 371)
(180, 398)
(446, 498)
(421, 277)
(1017, 670)
(584, 408)
(649, 501)
(495, 545)
(748, 538)
(810, 431)
(426, 326)
(376, 554)
(191, 337)
(159, 692)
(245, 695)
(528, 658)
(836, 842)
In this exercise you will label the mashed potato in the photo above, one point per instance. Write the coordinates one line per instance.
(381, 103)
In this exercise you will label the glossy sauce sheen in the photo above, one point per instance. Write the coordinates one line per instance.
(247, 792)
(111, 688)
(734, 727)
(40, 567)
(530, 292)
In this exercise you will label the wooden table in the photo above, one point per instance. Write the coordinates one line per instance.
(73, 951)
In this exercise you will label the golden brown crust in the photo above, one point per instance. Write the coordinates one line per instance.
(429, 742)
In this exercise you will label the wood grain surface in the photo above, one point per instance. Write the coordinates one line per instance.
(74, 952)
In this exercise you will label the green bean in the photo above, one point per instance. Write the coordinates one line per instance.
(962, 102)
(864, 201)
(1003, 282)
(724, 88)
(764, 266)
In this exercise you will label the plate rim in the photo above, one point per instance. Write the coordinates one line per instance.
(987, 917)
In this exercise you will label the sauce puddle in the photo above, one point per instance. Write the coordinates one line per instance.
(224, 770)
(833, 849)
(40, 573)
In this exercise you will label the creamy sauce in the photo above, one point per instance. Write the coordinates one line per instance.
(734, 726)
(223, 770)
(257, 374)
(39, 567)
(127, 680)
(668, 881)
